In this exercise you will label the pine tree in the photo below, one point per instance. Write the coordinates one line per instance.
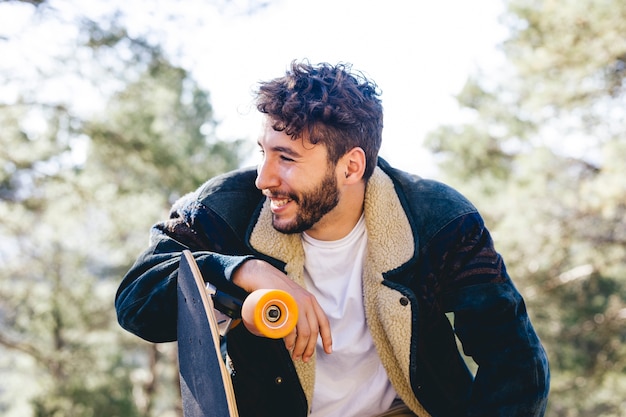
(543, 158)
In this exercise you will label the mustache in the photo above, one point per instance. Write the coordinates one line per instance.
(277, 194)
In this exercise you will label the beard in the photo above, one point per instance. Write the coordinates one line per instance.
(313, 205)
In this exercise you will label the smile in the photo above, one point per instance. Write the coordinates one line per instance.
(280, 202)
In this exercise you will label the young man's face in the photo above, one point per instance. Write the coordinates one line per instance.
(297, 178)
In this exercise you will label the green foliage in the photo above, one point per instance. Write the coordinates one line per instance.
(79, 190)
(155, 130)
(574, 52)
(80, 397)
(543, 159)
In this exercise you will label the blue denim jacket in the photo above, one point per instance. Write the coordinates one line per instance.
(454, 268)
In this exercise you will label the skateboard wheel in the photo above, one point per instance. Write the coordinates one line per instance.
(270, 313)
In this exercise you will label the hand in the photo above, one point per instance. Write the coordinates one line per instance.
(255, 274)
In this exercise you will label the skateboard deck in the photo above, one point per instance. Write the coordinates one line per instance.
(205, 384)
(204, 394)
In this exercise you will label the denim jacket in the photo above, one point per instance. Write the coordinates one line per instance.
(429, 254)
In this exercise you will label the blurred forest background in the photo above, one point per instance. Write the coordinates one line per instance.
(542, 154)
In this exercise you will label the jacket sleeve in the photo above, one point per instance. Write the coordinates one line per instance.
(492, 323)
(146, 300)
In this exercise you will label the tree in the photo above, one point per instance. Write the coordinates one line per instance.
(79, 190)
(542, 157)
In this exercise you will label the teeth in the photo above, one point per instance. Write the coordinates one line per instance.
(280, 203)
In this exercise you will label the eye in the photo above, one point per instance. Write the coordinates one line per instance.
(286, 158)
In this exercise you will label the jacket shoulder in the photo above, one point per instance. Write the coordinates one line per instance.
(232, 196)
(431, 205)
(238, 181)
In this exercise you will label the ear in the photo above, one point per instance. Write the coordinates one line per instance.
(353, 165)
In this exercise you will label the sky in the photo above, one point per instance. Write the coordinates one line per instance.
(418, 53)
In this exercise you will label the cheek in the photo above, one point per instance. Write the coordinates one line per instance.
(293, 178)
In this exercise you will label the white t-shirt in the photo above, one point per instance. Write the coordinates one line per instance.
(351, 381)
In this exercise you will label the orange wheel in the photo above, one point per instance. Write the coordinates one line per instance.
(270, 313)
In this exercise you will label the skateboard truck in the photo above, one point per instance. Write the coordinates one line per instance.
(227, 309)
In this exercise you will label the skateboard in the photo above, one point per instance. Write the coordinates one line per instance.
(204, 316)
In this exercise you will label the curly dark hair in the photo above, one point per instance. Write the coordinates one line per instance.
(337, 107)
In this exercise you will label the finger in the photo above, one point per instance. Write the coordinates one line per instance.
(290, 340)
(311, 343)
(324, 331)
(303, 333)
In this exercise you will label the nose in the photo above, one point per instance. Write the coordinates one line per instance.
(266, 176)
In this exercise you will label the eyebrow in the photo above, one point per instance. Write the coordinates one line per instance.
(282, 149)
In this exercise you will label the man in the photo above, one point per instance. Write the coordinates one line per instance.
(374, 257)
